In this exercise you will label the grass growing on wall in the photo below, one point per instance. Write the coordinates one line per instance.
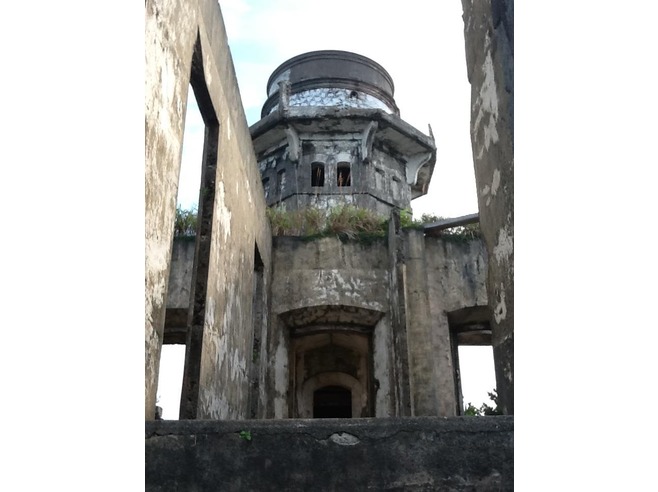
(185, 222)
(353, 222)
(344, 221)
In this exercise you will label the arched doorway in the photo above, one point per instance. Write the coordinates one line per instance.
(332, 402)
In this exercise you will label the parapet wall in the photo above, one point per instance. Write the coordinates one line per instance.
(409, 454)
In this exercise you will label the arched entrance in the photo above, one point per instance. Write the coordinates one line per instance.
(332, 402)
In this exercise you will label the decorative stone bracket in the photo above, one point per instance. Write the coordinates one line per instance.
(294, 145)
(367, 140)
(414, 163)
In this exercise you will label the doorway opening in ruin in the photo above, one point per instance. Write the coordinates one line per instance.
(331, 374)
(472, 355)
(477, 374)
(330, 361)
(332, 402)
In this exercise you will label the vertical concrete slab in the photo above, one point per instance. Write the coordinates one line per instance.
(400, 353)
(489, 36)
(238, 219)
(422, 370)
(456, 272)
(169, 36)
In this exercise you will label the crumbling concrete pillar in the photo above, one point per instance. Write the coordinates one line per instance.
(489, 36)
(422, 373)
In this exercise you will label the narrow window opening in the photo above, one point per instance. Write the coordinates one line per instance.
(259, 335)
(280, 182)
(332, 402)
(343, 176)
(317, 174)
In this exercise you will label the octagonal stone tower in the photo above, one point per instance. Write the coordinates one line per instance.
(331, 134)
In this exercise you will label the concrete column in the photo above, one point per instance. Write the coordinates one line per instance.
(422, 373)
(489, 36)
(442, 352)
(400, 354)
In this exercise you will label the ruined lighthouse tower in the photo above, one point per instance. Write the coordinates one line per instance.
(350, 330)
(331, 134)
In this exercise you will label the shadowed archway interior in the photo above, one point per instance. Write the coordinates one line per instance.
(332, 402)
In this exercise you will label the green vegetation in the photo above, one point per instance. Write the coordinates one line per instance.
(246, 435)
(353, 222)
(185, 222)
(346, 221)
(484, 410)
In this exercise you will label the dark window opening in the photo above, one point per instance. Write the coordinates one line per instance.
(332, 402)
(317, 174)
(343, 177)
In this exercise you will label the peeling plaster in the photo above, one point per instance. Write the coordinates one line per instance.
(500, 311)
(507, 372)
(495, 183)
(332, 286)
(487, 102)
(161, 86)
(280, 378)
(222, 212)
(505, 247)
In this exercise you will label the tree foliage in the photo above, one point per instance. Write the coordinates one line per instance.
(484, 410)
(185, 222)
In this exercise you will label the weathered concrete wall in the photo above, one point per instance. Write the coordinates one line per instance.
(180, 273)
(168, 54)
(326, 284)
(457, 272)
(489, 34)
(410, 454)
(402, 288)
(238, 220)
(441, 275)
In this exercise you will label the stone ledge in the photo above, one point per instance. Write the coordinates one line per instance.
(419, 453)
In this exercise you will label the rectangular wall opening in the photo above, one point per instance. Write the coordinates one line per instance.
(172, 363)
(472, 355)
(259, 342)
(205, 194)
(477, 375)
(343, 174)
(172, 359)
(317, 174)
